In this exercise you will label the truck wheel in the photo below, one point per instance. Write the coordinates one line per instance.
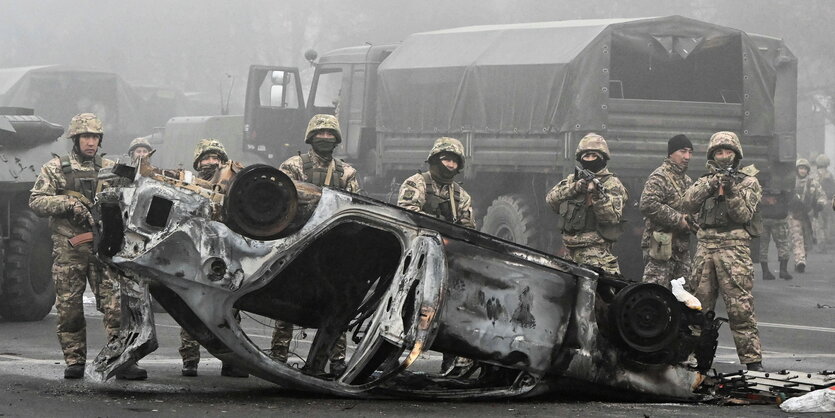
(28, 290)
(511, 218)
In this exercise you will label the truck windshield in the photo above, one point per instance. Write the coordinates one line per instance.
(328, 87)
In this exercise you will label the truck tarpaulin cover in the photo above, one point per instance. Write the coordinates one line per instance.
(555, 76)
(59, 92)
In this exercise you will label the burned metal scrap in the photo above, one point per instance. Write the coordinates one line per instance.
(398, 282)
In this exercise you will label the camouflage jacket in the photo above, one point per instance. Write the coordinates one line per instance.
(742, 201)
(46, 199)
(413, 197)
(608, 211)
(294, 167)
(824, 178)
(661, 204)
(809, 197)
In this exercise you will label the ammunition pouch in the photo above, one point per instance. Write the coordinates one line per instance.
(318, 175)
(714, 213)
(754, 227)
(435, 204)
(577, 217)
(661, 245)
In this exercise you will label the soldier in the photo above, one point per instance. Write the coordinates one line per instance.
(435, 193)
(209, 157)
(318, 166)
(139, 147)
(809, 199)
(666, 238)
(823, 222)
(726, 200)
(774, 209)
(429, 192)
(591, 206)
(64, 191)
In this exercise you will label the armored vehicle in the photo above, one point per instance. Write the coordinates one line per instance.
(26, 143)
(521, 96)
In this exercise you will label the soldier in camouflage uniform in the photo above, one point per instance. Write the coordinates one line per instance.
(809, 199)
(774, 209)
(823, 222)
(64, 191)
(318, 166)
(429, 192)
(666, 238)
(591, 211)
(138, 148)
(726, 200)
(209, 158)
(435, 193)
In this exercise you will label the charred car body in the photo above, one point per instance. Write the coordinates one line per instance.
(400, 283)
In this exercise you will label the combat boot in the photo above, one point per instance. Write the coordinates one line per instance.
(756, 366)
(132, 372)
(800, 267)
(784, 270)
(229, 370)
(74, 371)
(190, 369)
(766, 272)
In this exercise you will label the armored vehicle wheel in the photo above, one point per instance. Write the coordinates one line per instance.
(512, 218)
(28, 290)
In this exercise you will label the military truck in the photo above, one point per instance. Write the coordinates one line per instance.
(27, 292)
(521, 96)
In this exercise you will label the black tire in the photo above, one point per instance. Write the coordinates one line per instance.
(513, 218)
(28, 289)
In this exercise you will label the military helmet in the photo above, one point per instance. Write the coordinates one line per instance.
(592, 142)
(451, 145)
(822, 161)
(802, 162)
(322, 121)
(724, 139)
(85, 123)
(137, 143)
(209, 146)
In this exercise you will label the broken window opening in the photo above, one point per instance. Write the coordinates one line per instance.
(158, 212)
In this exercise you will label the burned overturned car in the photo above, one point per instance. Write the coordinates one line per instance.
(397, 282)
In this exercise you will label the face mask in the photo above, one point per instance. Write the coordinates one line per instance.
(323, 147)
(440, 172)
(206, 172)
(724, 162)
(594, 165)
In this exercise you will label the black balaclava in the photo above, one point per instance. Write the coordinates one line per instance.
(439, 172)
(323, 146)
(206, 172)
(595, 165)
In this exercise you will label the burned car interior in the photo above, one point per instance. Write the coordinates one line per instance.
(399, 283)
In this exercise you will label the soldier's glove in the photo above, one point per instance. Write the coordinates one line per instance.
(80, 215)
(581, 186)
(728, 184)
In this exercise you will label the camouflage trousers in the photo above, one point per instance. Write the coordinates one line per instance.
(664, 271)
(283, 335)
(801, 236)
(190, 348)
(598, 255)
(778, 230)
(729, 271)
(72, 269)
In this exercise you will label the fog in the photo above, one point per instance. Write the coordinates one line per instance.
(207, 45)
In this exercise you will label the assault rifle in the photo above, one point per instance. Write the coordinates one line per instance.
(587, 175)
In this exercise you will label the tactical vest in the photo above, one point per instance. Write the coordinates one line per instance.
(577, 216)
(80, 184)
(317, 174)
(778, 210)
(438, 206)
(714, 214)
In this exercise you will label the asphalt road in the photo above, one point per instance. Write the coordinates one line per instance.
(797, 326)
